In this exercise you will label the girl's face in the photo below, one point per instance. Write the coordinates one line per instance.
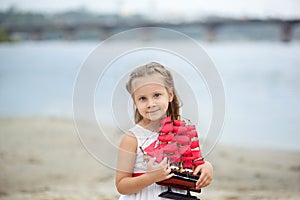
(151, 97)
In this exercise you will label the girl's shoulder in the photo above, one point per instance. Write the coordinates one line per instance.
(129, 142)
(133, 134)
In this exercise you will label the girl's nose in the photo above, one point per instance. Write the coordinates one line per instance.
(151, 103)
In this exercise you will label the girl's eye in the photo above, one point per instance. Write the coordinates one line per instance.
(142, 98)
(157, 95)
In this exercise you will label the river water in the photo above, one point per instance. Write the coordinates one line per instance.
(261, 81)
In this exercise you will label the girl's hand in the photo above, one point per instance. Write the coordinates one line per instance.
(206, 176)
(160, 171)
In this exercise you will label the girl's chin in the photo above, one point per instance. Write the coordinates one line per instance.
(155, 118)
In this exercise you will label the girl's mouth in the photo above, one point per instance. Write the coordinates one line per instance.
(152, 111)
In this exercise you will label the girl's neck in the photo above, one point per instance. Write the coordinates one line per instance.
(150, 125)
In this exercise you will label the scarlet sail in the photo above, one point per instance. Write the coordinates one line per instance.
(179, 142)
(178, 139)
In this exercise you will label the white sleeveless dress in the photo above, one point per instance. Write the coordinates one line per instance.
(144, 138)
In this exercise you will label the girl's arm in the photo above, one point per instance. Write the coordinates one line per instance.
(206, 176)
(125, 183)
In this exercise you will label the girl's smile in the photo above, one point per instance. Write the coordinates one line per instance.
(153, 111)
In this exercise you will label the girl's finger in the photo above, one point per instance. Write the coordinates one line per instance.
(205, 183)
(151, 161)
(201, 179)
(163, 163)
(196, 171)
(170, 175)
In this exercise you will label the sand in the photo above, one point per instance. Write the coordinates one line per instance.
(44, 159)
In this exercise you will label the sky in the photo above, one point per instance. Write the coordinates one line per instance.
(188, 9)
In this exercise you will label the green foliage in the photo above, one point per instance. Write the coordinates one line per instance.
(4, 37)
(20, 18)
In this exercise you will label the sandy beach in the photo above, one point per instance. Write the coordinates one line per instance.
(44, 159)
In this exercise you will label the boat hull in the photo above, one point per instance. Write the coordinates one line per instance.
(182, 181)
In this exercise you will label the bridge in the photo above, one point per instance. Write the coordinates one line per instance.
(209, 28)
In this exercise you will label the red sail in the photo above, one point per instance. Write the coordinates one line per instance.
(174, 158)
(187, 161)
(188, 164)
(179, 123)
(191, 127)
(166, 120)
(167, 128)
(187, 158)
(178, 142)
(170, 148)
(154, 151)
(166, 138)
(179, 129)
(158, 155)
(183, 149)
(182, 139)
(198, 162)
(192, 133)
(196, 154)
(194, 144)
(150, 148)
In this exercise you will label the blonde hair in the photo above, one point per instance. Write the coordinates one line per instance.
(150, 69)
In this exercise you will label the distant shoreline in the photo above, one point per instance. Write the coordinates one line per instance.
(71, 121)
(83, 25)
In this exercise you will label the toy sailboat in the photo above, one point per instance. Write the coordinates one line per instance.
(178, 142)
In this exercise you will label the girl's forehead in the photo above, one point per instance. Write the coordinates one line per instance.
(146, 80)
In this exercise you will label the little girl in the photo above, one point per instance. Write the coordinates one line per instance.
(152, 89)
